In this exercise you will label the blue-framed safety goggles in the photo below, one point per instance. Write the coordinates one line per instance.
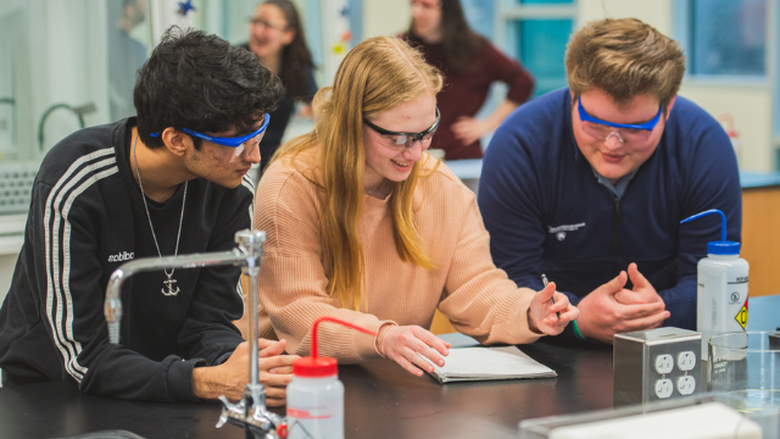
(648, 126)
(232, 142)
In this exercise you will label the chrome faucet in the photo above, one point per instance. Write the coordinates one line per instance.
(79, 111)
(250, 413)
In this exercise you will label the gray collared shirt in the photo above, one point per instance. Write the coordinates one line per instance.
(617, 190)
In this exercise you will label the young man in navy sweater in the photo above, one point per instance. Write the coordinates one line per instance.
(589, 184)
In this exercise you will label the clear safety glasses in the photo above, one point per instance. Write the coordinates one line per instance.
(407, 139)
(625, 132)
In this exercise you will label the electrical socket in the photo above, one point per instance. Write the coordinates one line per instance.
(664, 388)
(686, 385)
(686, 361)
(664, 363)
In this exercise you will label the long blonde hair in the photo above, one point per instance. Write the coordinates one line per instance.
(378, 74)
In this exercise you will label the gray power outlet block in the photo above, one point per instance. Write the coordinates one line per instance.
(656, 365)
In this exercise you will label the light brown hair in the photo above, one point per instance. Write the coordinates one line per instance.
(376, 75)
(624, 58)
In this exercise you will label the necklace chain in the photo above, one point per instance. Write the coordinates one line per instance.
(376, 188)
(169, 283)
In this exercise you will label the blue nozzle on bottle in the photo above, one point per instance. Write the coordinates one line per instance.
(721, 247)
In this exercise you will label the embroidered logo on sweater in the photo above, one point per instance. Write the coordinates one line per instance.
(560, 231)
(121, 256)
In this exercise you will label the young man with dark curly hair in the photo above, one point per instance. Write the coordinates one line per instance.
(172, 180)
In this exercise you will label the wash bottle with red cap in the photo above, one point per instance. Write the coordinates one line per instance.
(315, 396)
(722, 293)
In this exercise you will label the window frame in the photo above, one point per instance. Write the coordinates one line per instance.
(682, 32)
(509, 13)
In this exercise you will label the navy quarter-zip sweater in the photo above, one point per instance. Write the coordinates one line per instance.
(547, 213)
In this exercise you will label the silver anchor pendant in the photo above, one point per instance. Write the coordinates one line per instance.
(172, 290)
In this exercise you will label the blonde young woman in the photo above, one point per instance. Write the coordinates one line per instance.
(363, 225)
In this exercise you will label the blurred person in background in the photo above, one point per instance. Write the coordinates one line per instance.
(276, 36)
(471, 64)
(125, 56)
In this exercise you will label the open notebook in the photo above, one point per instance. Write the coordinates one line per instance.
(469, 363)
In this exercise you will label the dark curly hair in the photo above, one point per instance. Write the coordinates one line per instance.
(201, 82)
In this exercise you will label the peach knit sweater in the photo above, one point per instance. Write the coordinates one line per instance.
(466, 286)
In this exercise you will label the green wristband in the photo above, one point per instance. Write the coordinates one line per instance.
(577, 332)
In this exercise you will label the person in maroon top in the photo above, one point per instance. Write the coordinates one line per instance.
(470, 64)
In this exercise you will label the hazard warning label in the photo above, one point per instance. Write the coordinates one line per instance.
(742, 315)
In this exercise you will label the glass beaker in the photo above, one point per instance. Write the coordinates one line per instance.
(746, 364)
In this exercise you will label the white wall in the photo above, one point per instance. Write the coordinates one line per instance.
(656, 13)
(752, 111)
(382, 17)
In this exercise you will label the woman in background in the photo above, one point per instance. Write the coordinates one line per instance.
(276, 37)
(363, 225)
(470, 65)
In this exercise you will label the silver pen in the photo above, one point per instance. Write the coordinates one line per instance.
(552, 299)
